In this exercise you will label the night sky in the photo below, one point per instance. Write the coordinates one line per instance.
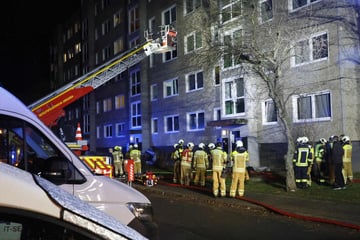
(25, 30)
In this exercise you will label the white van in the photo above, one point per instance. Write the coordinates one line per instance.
(33, 208)
(27, 143)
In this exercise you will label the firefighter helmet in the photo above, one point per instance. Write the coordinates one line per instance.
(211, 145)
(345, 139)
(190, 145)
(323, 140)
(175, 145)
(201, 145)
(117, 148)
(239, 143)
(181, 141)
(135, 145)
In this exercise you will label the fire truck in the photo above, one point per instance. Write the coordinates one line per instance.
(51, 107)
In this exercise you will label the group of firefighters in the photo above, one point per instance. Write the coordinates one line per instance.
(188, 159)
(327, 162)
(119, 160)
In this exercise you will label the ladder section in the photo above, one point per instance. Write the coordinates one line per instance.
(93, 79)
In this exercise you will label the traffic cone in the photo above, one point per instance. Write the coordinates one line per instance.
(78, 135)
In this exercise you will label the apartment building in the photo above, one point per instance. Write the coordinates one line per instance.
(203, 94)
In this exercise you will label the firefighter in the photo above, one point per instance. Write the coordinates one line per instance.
(219, 159)
(200, 164)
(239, 158)
(135, 154)
(347, 163)
(186, 163)
(337, 154)
(319, 164)
(176, 157)
(302, 160)
(118, 159)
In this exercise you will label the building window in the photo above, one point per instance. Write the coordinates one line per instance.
(232, 40)
(316, 48)
(117, 19)
(296, 4)
(196, 121)
(230, 9)
(217, 75)
(107, 105)
(168, 17)
(118, 45)
(134, 20)
(135, 115)
(171, 123)
(191, 5)
(194, 81)
(233, 97)
(105, 27)
(120, 129)
(98, 132)
(193, 41)
(217, 114)
(86, 124)
(98, 108)
(154, 125)
(171, 88)
(153, 92)
(269, 112)
(135, 82)
(106, 53)
(266, 10)
(108, 131)
(312, 107)
(119, 101)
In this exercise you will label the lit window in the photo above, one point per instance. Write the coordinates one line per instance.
(168, 17)
(116, 19)
(312, 107)
(134, 19)
(118, 45)
(119, 101)
(107, 105)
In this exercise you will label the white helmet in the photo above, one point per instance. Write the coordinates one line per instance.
(190, 145)
(323, 140)
(175, 145)
(305, 140)
(135, 145)
(239, 143)
(345, 139)
(201, 145)
(211, 145)
(181, 141)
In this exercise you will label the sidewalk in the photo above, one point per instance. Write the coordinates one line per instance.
(344, 214)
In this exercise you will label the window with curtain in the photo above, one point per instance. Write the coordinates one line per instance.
(312, 107)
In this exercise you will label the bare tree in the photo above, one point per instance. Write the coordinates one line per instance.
(265, 49)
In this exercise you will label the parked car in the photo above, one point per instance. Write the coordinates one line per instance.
(27, 143)
(33, 208)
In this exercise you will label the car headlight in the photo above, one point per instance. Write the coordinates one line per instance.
(142, 211)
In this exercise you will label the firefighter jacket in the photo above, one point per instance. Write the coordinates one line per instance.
(135, 154)
(303, 155)
(117, 156)
(239, 157)
(176, 155)
(201, 159)
(347, 153)
(186, 158)
(319, 151)
(219, 158)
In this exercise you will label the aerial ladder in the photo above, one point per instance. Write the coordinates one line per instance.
(51, 107)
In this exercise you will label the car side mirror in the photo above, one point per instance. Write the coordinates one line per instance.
(57, 170)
